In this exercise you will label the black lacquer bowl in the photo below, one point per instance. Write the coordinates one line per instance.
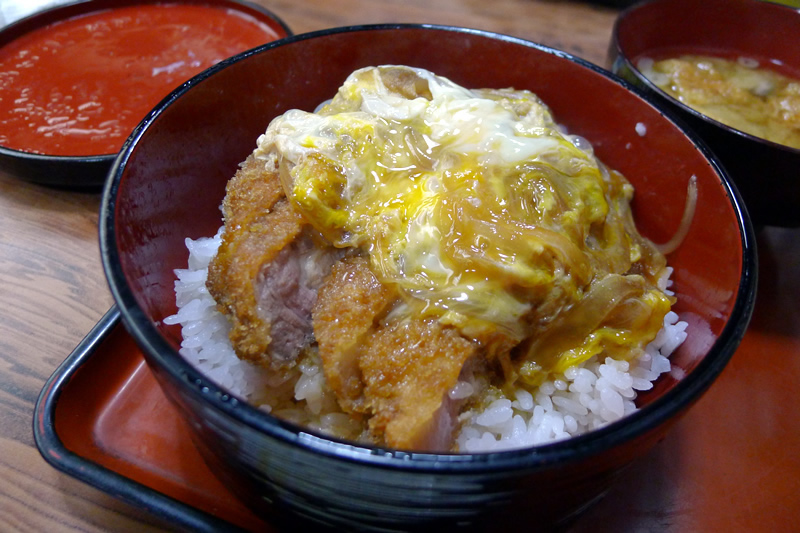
(766, 173)
(167, 184)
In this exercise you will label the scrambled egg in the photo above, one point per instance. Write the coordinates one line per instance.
(480, 210)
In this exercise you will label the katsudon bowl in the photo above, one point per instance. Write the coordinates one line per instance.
(756, 33)
(169, 181)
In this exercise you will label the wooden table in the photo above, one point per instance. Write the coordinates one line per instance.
(53, 290)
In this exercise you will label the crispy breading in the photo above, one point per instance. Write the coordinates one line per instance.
(408, 369)
(347, 306)
(259, 223)
(252, 191)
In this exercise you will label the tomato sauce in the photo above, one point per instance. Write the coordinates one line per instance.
(80, 86)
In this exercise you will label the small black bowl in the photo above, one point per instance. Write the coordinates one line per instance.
(69, 172)
(766, 173)
(82, 171)
(167, 185)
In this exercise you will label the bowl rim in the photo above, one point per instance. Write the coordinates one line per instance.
(201, 389)
(53, 159)
(621, 55)
(45, 17)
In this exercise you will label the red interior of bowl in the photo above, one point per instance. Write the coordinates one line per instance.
(174, 179)
(118, 59)
(730, 28)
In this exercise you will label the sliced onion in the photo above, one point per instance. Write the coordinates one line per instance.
(686, 220)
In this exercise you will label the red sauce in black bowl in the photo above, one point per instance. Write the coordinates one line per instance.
(75, 81)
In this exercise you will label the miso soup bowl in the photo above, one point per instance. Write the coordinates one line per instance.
(766, 173)
(169, 180)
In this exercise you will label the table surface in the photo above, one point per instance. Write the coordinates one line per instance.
(53, 290)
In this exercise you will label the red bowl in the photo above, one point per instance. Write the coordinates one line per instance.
(168, 182)
(89, 169)
(765, 173)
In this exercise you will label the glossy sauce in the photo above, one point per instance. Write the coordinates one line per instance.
(80, 86)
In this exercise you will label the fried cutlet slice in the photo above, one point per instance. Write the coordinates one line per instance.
(347, 306)
(259, 223)
(251, 193)
(408, 368)
(286, 291)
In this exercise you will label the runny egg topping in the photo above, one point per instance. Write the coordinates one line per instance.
(479, 209)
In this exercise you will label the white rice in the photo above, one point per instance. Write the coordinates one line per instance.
(587, 396)
(205, 330)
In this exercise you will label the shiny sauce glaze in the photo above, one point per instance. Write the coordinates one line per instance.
(80, 86)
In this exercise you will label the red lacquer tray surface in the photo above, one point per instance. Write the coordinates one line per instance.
(731, 464)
